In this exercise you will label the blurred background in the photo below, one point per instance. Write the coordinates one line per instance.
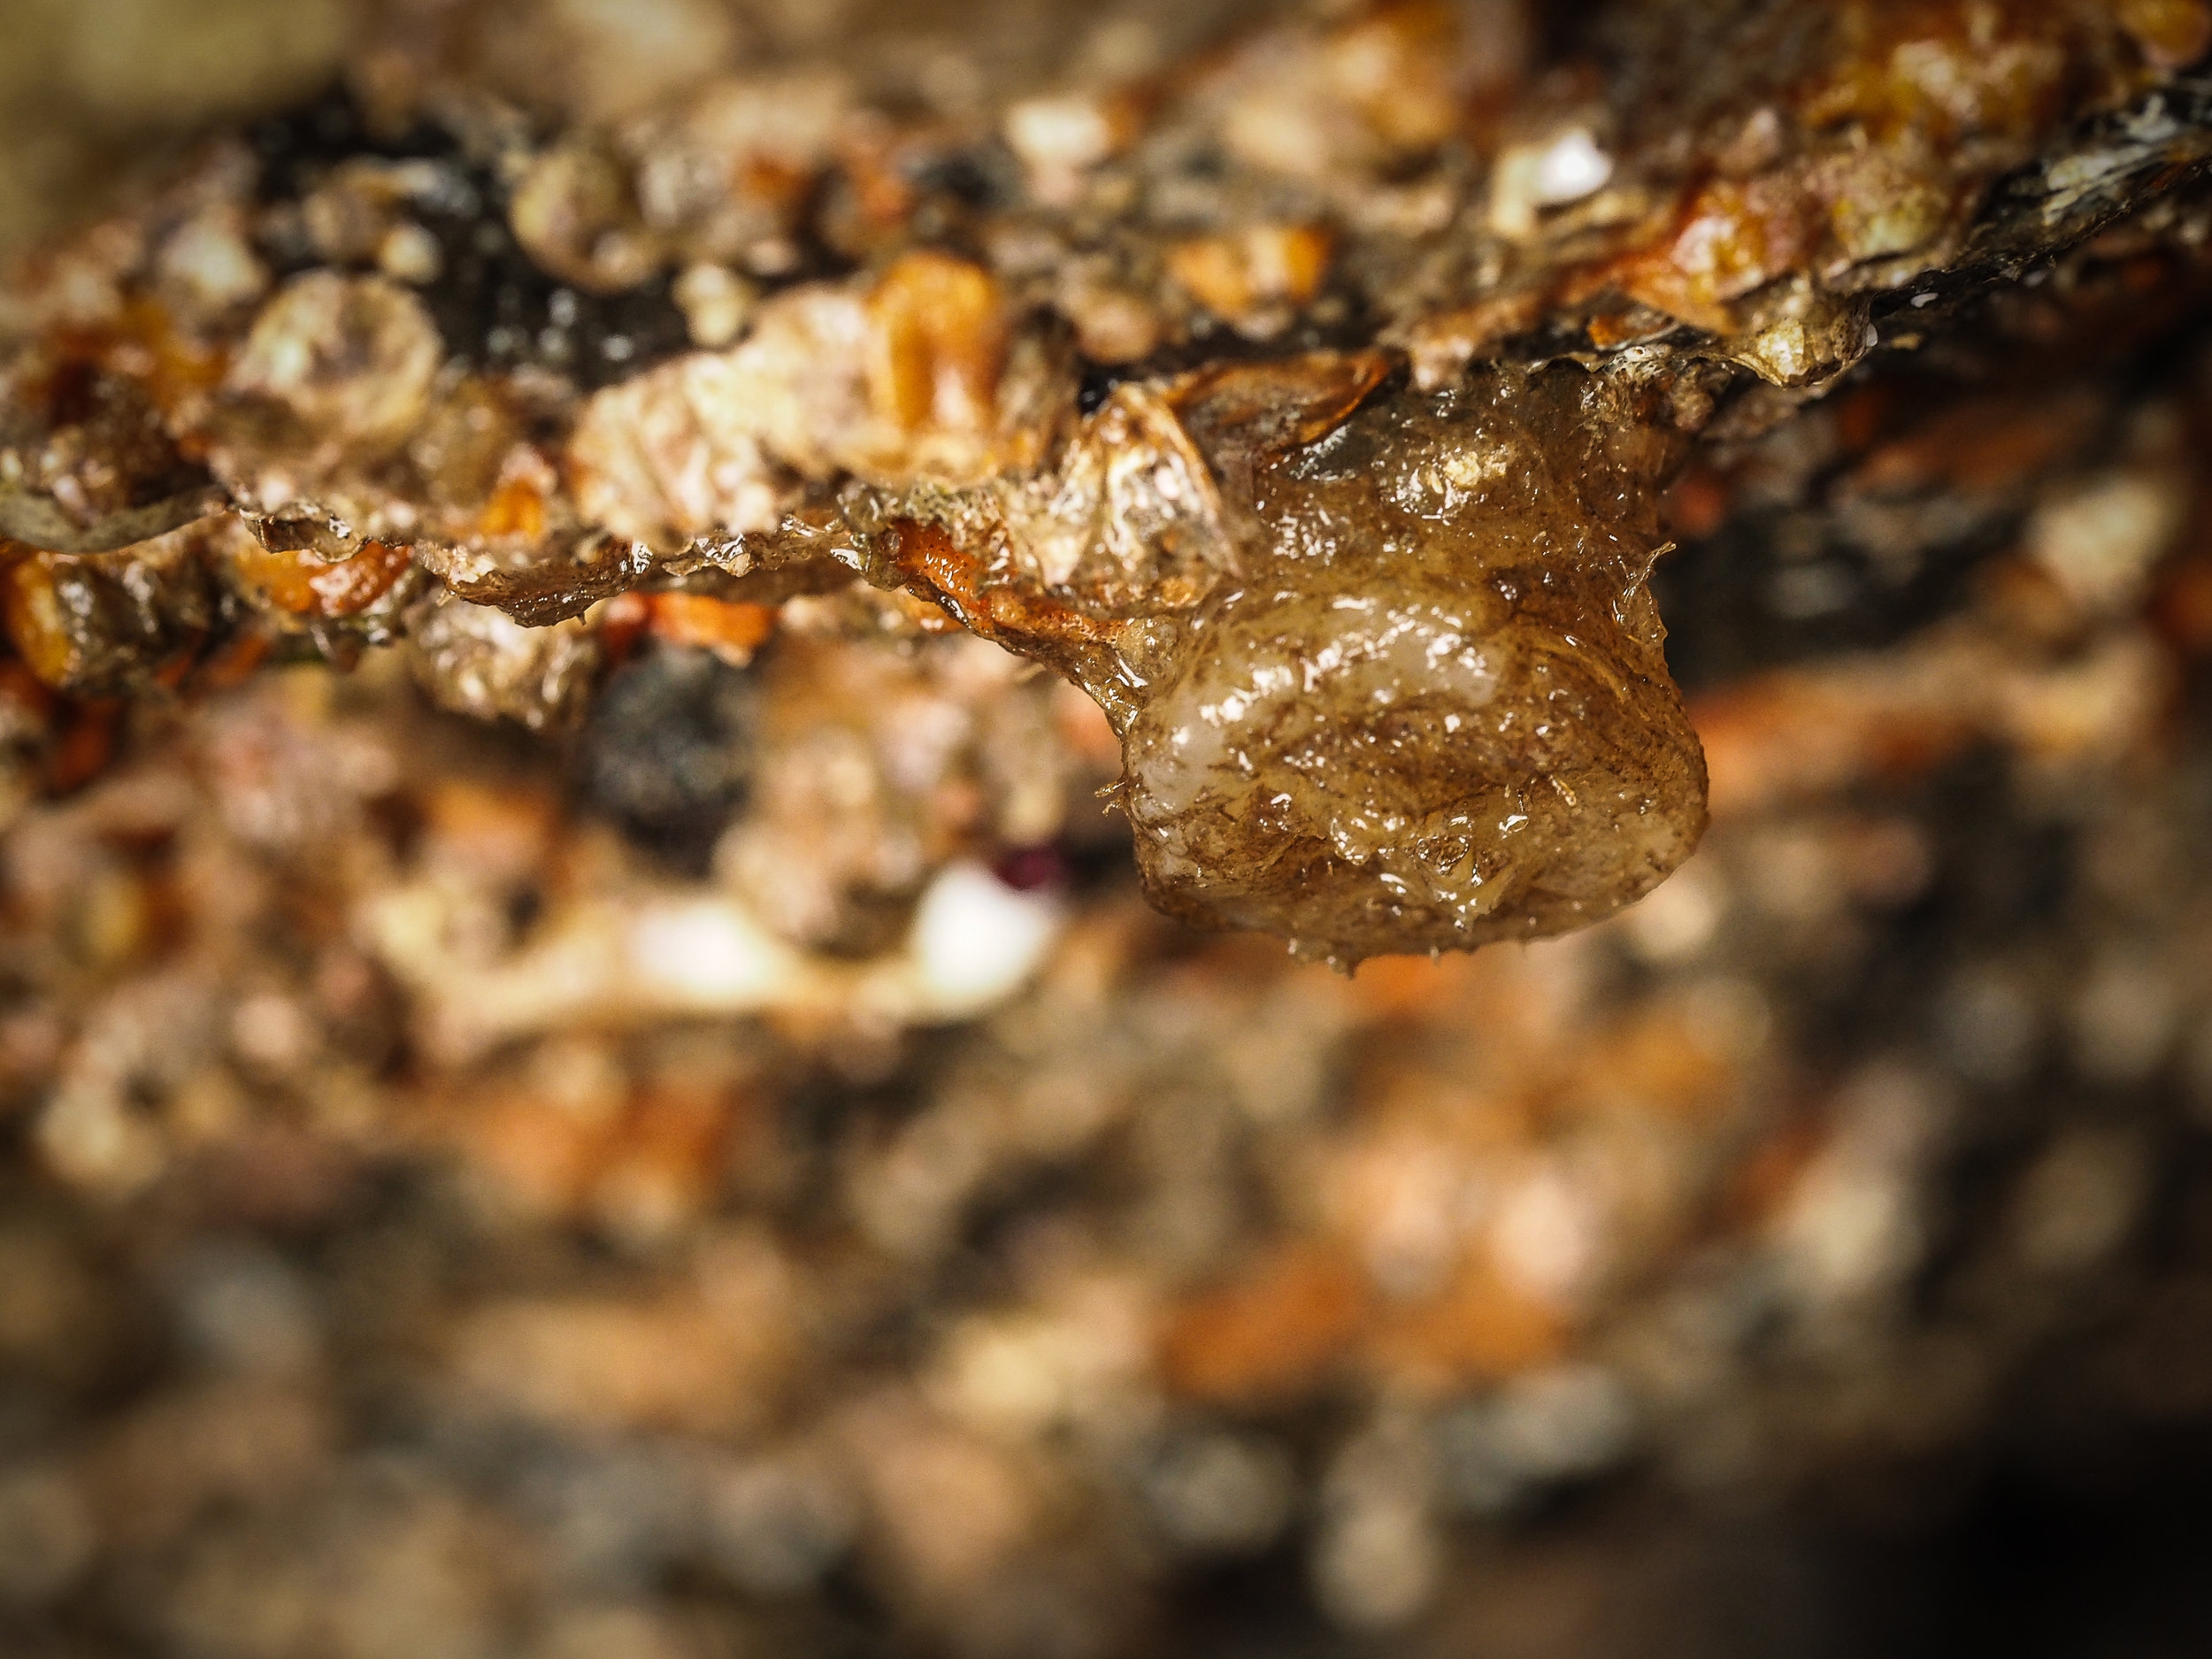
(437, 1222)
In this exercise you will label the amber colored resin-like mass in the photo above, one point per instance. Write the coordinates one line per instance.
(1384, 666)
(1430, 709)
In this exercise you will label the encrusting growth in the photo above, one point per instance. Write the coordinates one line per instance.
(1431, 708)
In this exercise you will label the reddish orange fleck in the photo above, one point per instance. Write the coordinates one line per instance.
(19, 685)
(173, 672)
(620, 622)
(951, 575)
(1240, 274)
(86, 744)
(33, 614)
(1275, 1331)
(938, 343)
(516, 509)
(2182, 609)
(1698, 504)
(347, 589)
(304, 586)
(719, 625)
(1731, 237)
(234, 663)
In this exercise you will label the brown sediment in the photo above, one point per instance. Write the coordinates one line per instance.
(740, 1168)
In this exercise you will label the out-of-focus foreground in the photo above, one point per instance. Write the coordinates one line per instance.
(749, 1176)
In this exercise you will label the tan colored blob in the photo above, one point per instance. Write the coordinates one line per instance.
(1383, 665)
(1433, 712)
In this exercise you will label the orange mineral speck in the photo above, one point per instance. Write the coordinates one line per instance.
(85, 746)
(234, 664)
(939, 343)
(305, 586)
(348, 588)
(33, 615)
(1275, 1330)
(716, 625)
(1733, 237)
(931, 559)
(1243, 276)
(19, 687)
(517, 509)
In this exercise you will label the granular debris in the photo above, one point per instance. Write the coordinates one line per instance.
(614, 612)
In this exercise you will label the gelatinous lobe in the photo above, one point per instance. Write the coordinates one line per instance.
(1420, 702)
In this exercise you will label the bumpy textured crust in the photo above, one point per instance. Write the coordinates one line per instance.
(1305, 403)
